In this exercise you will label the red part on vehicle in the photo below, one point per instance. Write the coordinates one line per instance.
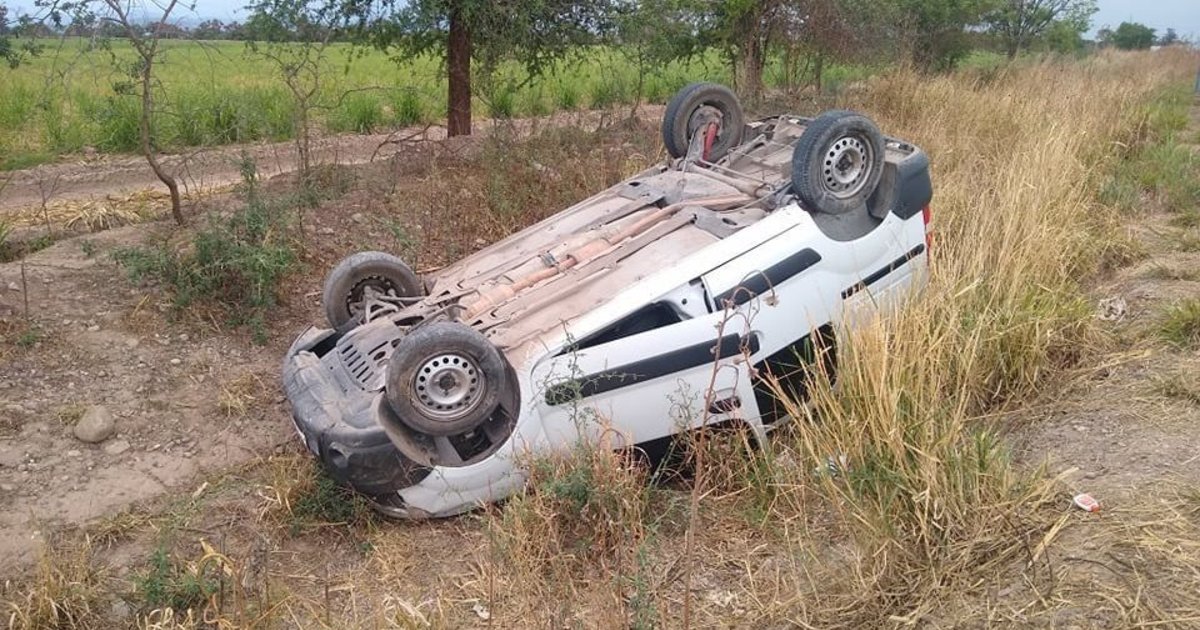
(710, 137)
(926, 216)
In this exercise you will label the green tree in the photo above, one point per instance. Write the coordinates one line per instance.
(935, 31)
(1018, 23)
(1133, 36)
(6, 50)
(294, 36)
(653, 33)
(1063, 37)
(536, 34)
(17, 37)
(1169, 38)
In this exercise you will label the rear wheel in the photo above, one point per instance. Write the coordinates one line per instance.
(358, 278)
(705, 108)
(444, 379)
(837, 163)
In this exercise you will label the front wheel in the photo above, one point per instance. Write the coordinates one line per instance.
(837, 162)
(445, 378)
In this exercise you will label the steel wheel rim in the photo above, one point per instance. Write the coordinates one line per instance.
(449, 386)
(846, 167)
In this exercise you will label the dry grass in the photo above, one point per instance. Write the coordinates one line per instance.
(300, 496)
(65, 592)
(926, 501)
(239, 395)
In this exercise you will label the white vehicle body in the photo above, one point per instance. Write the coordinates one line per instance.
(729, 278)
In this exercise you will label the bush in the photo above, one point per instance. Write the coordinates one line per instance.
(235, 262)
(408, 110)
(119, 118)
(1181, 324)
(168, 585)
(359, 113)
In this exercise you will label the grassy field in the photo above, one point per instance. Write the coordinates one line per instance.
(74, 96)
(927, 518)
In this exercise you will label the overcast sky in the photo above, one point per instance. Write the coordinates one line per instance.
(1182, 15)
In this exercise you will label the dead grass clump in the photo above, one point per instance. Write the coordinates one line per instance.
(1181, 384)
(577, 539)
(301, 496)
(512, 182)
(239, 395)
(65, 592)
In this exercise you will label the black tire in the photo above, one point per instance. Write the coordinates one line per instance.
(445, 378)
(678, 124)
(837, 162)
(346, 283)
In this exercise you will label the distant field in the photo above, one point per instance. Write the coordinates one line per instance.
(212, 93)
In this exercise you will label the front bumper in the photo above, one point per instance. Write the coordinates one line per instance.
(337, 424)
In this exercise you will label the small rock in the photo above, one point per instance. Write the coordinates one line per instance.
(13, 286)
(74, 453)
(116, 447)
(93, 328)
(132, 342)
(175, 361)
(7, 487)
(357, 217)
(95, 426)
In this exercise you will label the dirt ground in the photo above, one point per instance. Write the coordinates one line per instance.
(200, 423)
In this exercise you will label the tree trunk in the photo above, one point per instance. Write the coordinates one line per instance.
(458, 62)
(147, 145)
(748, 68)
(1012, 47)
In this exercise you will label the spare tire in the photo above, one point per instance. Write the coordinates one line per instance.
(347, 285)
(837, 163)
(696, 104)
(445, 378)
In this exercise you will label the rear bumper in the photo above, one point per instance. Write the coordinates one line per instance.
(338, 426)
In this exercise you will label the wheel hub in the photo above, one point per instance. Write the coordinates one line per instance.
(846, 165)
(366, 290)
(448, 385)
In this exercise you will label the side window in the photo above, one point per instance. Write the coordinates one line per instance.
(647, 318)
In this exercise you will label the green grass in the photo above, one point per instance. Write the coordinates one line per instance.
(168, 584)
(216, 93)
(1159, 166)
(1180, 325)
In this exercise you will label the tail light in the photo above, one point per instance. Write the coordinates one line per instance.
(926, 215)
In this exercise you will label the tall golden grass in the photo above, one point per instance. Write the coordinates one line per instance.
(925, 497)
